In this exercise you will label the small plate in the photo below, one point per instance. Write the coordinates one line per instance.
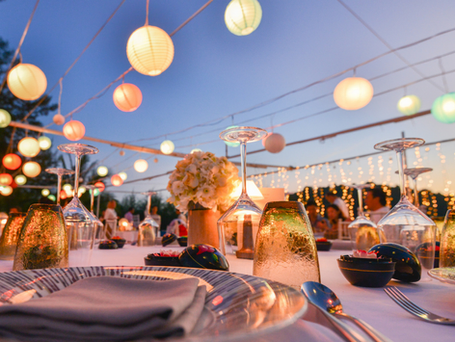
(445, 274)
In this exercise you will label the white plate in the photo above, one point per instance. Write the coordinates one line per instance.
(242, 305)
(445, 274)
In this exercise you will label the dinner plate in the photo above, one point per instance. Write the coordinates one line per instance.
(444, 274)
(242, 305)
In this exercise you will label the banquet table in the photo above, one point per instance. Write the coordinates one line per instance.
(370, 304)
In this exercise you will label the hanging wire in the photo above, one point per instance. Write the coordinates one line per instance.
(147, 13)
(59, 110)
(20, 45)
(444, 79)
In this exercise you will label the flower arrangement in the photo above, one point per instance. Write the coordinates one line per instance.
(204, 179)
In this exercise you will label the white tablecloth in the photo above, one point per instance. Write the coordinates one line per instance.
(369, 304)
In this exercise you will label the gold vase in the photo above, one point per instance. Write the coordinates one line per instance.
(202, 226)
(285, 247)
(43, 241)
(8, 241)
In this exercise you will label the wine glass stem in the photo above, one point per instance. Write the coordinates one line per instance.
(416, 194)
(76, 175)
(59, 188)
(243, 165)
(92, 199)
(149, 204)
(401, 173)
(359, 194)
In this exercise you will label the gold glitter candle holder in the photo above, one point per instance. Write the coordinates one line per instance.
(8, 241)
(43, 241)
(447, 243)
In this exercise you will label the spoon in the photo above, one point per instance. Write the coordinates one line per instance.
(323, 297)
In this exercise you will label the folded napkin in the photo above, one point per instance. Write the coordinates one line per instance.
(108, 308)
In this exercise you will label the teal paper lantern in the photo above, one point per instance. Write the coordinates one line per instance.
(409, 105)
(52, 198)
(243, 16)
(443, 108)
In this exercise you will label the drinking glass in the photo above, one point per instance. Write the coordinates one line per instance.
(148, 228)
(100, 233)
(43, 242)
(8, 241)
(406, 224)
(236, 225)
(285, 246)
(59, 171)
(447, 244)
(80, 222)
(414, 174)
(362, 231)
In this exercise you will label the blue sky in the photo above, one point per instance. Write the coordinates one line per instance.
(215, 73)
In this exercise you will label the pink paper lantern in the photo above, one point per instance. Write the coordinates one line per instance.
(127, 97)
(275, 143)
(74, 130)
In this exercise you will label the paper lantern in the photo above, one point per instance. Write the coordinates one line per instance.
(96, 192)
(20, 179)
(443, 108)
(123, 175)
(167, 147)
(5, 118)
(63, 195)
(243, 16)
(6, 190)
(68, 188)
(27, 81)
(124, 224)
(82, 189)
(155, 160)
(5, 179)
(275, 143)
(353, 93)
(31, 169)
(12, 161)
(58, 119)
(141, 165)
(45, 192)
(13, 185)
(44, 143)
(74, 130)
(100, 186)
(102, 171)
(265, 138)
(409, 105)
(127, 97)
(122, 153)
(52, 198)
(150, 50)
(28, 147)
(194, 150)
(116, 180)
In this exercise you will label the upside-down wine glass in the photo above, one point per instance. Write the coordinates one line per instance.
(80, 222)
(414, 173)
(405, 223)
(148, 228)
(362, 231)
(59, 171)
(238, 223)
(100, 233)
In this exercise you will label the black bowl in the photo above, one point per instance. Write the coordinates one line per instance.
(323, 245)
(156, 260)
(108, 244)
(366, 272)
(120, 242)
(167, 239)
(183, 241)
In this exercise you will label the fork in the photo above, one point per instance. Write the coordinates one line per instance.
(403, 301)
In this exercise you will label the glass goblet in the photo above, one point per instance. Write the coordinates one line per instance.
(80, 222)
(239, 223)
(100, 234)
(148, 228)
(362, 231)
(59, 171)
(406, 224)
(414, 174)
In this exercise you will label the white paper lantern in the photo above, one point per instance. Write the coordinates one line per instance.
(409, 105)
(123, 175)
(6, 190)
(45, 192)
(275, 143)
(31, 169)
(141, 165)
(27, 81)
(20, 179)
(82, 189)
(28, 147)
(44, 143)
(150, 50)
(353, 93)
(58, 119)
(243, 16)
(5, 118)
(102, 171)
(167, 147)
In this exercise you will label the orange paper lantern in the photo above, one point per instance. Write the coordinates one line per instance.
(74, 130)
(100, 186)
(27, 81)
(275, 143)
(127, 97)
(5, 179)
(63, 195)
(116, 180)
(12, 161)
(31, 169)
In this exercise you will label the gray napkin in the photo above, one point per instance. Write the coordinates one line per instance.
(107, 308)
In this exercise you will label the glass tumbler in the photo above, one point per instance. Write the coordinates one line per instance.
(285, 246)
(447, 243)
(43, 241)
(8, 241)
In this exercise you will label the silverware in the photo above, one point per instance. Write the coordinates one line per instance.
(325, 299)
(403, 301)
